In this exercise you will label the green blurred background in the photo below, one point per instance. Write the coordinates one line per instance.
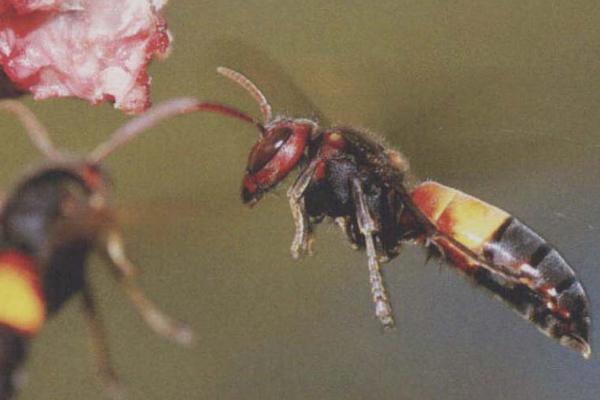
(499, 99)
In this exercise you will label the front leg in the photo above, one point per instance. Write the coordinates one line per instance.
(114, 252)
(366, 224)
(303, 235)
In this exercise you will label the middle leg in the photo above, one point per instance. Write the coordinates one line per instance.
(366, 224)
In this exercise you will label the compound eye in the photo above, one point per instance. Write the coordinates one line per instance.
(266, 148)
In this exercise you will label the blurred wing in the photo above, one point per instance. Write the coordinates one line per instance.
(155, 213)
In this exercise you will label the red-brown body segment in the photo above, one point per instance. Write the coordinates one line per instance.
(273, 157)
(333, 143)
(92, 176)
(507, 257)
(22, 305)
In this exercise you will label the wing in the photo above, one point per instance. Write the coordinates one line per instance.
(505, 256)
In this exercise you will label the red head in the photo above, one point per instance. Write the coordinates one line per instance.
(276, 153)
(279, 149)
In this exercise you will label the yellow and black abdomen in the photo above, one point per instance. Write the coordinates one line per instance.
(22, 313)
(22, 305)
(504, 255)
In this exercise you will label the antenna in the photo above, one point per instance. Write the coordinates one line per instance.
(265, 107)
(36, 131)
(158, 113)
(140, 124)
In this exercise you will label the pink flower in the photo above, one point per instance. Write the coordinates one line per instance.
(96, 50)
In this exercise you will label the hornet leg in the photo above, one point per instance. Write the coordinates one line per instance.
(99, 344)
(159, 322)
(383, 309)
(303, 236)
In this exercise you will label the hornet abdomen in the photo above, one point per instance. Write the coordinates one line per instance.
(22, 314)
(504, 255)
(22, 305)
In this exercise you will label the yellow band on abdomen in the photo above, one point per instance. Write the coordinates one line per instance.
(468, 220)
(22, 305)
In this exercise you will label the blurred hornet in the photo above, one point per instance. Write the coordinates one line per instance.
(347, 175)
(49, 224)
